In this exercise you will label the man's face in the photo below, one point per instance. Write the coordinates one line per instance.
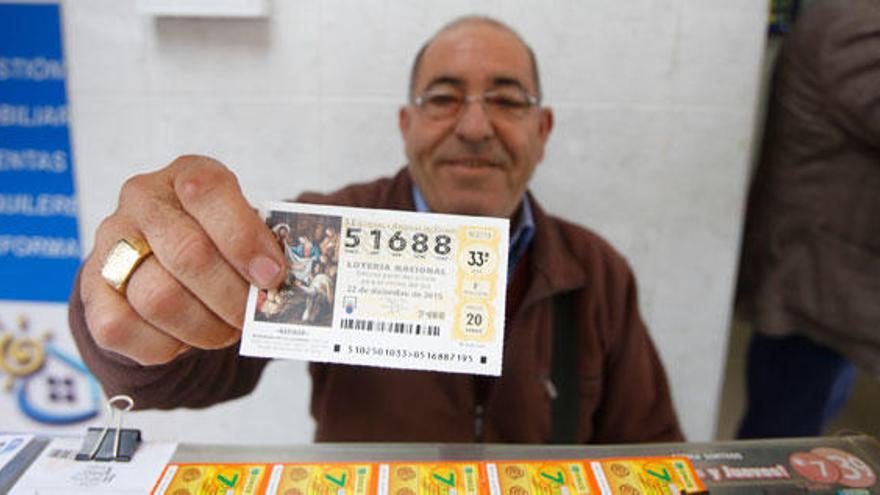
(472, 163)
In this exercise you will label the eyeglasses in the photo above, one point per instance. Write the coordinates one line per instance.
(507, 103)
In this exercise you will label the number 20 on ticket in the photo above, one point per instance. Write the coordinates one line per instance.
(383, 288)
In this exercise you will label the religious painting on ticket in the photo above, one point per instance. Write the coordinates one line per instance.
(310, 244)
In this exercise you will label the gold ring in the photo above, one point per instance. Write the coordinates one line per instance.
(127, 254)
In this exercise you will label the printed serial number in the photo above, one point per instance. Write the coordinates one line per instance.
(363, 350)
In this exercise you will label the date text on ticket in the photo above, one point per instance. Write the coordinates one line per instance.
(383, 288)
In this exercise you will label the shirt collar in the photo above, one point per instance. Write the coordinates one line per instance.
(520, 236)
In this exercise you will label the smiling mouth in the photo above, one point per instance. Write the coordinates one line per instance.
(470, 163)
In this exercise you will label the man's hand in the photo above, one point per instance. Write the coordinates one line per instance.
(207, 243)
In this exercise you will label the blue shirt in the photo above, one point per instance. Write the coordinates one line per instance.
(520, 237)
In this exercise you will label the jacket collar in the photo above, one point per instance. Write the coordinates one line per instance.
(553, 266)
(399, 195)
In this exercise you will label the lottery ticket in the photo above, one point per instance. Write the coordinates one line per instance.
(334, 478)
(228, 479)
(383, 288)
(656, 475)
(540, 477)
(425, 478)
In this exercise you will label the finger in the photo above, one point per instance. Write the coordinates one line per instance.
(183, 248)
(166, 304)
(210, 193)
(116, 327)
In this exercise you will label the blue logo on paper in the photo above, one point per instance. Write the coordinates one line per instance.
(49, 385)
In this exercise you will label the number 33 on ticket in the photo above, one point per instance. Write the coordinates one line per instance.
(383, 288)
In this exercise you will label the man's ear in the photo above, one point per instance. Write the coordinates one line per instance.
(403, 120)
(545, 126)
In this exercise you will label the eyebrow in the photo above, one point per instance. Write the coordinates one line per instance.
(498, 81)
(502, 81)
(441, 80)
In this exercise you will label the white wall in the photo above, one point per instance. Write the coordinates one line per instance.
(654, 102)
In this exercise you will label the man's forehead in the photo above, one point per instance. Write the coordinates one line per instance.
(476, 49)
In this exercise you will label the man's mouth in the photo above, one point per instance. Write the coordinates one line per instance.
(468, 162)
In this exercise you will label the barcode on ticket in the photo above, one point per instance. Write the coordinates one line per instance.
(398, 327)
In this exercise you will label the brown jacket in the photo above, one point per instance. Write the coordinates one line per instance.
(624, 393)
(811, 251)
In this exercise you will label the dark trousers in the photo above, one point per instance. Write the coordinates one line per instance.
(795, 386)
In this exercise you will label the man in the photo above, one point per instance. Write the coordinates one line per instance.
(810, 276)
(474, 132)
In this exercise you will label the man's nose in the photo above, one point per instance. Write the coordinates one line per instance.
(474, 124)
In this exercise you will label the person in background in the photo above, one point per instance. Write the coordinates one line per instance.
(810, 271)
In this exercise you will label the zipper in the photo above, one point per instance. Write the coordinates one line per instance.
(479, 413)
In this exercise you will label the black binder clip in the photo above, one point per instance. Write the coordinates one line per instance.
(111, 444)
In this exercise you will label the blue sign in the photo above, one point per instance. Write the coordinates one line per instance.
(39, 240)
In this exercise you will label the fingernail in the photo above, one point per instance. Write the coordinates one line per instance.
(263, 270)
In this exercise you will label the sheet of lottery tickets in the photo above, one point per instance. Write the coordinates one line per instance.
(383, 288)
(630, 476)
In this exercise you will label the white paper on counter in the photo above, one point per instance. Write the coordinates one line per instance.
(56, 472)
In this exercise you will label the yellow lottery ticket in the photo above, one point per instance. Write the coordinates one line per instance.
(211, 479)
(446, 478)
(647, 476)
(322, 479)
(383, 288)
(540, 478)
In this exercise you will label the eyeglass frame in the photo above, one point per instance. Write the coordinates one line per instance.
(532, 101)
